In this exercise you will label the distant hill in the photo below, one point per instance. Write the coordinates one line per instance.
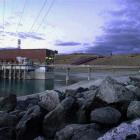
(74, 58)
(89, 59)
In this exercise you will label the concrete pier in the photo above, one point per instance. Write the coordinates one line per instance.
(20, 71)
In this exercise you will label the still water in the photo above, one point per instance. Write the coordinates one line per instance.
(26, 87)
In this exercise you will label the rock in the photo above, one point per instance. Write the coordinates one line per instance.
(61, 95)
(8, 103)
(135, 90)
(76, 92)
(70, 92)
(7, 133)
(135, 80)
(105, 115)
(39, 138)
(29, 126)
(89, 105)
(131, 88)
(81, 89)
(27, 103)
(110, 91)
(8, 120)
(123, 131)
(124, 80)
(133, 111)
(19, 114)
(93, 87)
(57, 118)
(86, 95)
(122, 107)
(79, 132)
(49, 100)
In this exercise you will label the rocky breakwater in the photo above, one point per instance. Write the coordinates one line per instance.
(109, 110)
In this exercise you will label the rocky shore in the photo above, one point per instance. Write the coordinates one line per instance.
(106, 110)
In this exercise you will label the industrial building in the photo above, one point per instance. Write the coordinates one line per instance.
(39, 56)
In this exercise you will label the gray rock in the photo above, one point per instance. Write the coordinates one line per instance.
(93, 87)
(123, 79)
(8, 120)
(61, 95)
(135, 79)
(86, 103)
(79, 132)
(49, 100)
(123, 131)
(111, 91)
(74, 92)
(70, 92)
(135, 90)
(39, 138)
(105, 115)
(56, 119)
(7, 133)
(90, 94)
(133, 111)
(8, 103)
(27, 103)
(86, 94)
(29, 126)
(132, 88)
(83, 84)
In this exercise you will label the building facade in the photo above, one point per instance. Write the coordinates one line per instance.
(35, 55)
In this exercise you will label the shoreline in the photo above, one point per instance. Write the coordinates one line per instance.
(101, 109)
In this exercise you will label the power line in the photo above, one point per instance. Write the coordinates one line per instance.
(20, 18)
(46, 14)
(4, 4)
(40, 11)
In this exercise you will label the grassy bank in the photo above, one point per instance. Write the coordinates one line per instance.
(130, 60)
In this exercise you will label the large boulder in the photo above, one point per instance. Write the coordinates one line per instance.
(29, 126)
(134, 79)
(39, 138)
(7, 133)
(24, 104)
(57, 118)
(110, 91)
(8, 103)
(135, 90)
(105, 115)
(79, 132)
(8, 120)
(49, 100)
(87, 106)
(84, 97)
(75, 92)
(123, 132)
(133, 111)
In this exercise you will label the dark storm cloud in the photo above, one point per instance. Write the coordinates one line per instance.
(24, 35)
(60, 43)
(122, 32)
(35, 36)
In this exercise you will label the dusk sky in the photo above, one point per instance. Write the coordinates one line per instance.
(87, 26)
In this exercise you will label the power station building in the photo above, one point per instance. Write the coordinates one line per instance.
(45, 56)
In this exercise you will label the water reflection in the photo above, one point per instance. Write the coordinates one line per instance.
(24, 87)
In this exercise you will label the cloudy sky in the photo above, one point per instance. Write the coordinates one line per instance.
(89, 26)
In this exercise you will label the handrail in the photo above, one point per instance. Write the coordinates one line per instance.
(77, 66)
